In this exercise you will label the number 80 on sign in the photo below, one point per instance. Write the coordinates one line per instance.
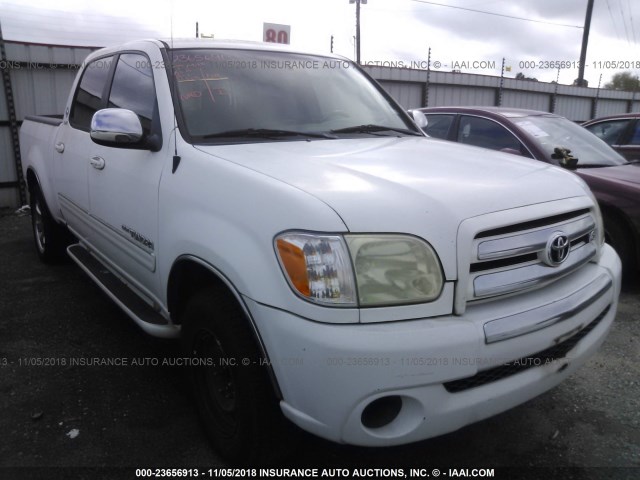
(276, 33)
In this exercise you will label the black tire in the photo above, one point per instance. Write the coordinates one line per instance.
(620, 238)
(51, 239)
(236, 402)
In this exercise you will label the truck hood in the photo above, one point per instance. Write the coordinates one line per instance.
(391, 174)
(412, 185)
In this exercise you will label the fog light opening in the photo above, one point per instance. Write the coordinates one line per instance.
(381, 412)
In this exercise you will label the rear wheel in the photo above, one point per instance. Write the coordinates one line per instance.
(51, 239)
(230, 381)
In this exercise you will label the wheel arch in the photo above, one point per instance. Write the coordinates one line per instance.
(190, 274)
(32, 180)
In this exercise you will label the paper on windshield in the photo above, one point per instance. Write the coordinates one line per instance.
(532, 129)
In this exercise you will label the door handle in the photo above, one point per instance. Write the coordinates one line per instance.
(59, 147)
(97, 162)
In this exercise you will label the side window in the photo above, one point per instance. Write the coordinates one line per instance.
(609, 131)
(133, 88)
(635, 138)
(486, 133)
(88, 99)
(438, 125)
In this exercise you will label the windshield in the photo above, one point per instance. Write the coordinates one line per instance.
(557, 132)
(227, 94)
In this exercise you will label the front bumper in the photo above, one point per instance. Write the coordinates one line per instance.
(330, 373)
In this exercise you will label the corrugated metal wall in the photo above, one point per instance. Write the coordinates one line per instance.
(407, 94)
(608, 106)
(529, 100)
(457, 89)
(41, 78)
(8, 196)
(457, 95)
(41, 92)
(574, 108)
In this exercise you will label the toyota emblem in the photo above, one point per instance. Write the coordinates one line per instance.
(558, 248)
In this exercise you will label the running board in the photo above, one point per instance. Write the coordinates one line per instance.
(136, 308)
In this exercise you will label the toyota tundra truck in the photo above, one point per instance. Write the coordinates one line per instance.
(324, 264)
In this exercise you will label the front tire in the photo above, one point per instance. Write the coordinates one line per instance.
(234, 396)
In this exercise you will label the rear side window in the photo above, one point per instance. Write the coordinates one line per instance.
(133, 88)
(88, 98)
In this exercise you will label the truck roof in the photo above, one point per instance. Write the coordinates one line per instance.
(191, 43)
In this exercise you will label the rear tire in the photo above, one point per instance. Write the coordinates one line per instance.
(50, 238)
(233, 393)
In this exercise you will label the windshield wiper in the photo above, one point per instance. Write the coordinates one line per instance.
(266, 133)
(598, 165)
(373, 129)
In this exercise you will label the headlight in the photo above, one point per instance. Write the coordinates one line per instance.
(383, 269)
(394, 270)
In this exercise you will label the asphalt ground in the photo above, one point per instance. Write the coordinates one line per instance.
(59, 420)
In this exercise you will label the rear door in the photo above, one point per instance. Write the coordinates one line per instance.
(73, 146)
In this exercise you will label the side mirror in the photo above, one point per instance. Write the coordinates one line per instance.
(419, 117)
(116, 127)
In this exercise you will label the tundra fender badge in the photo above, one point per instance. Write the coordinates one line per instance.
(557, 249)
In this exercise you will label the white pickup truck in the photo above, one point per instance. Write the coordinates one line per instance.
(320, 258)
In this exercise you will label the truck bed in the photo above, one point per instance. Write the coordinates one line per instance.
(54, 120)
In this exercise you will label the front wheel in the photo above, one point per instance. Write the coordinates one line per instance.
(232, 390)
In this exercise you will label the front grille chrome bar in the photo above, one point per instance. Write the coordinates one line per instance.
(532, 242)
(547, 315)
(529, 276)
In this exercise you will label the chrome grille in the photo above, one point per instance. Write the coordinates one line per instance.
(511, 259)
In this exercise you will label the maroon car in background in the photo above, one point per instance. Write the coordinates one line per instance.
(614, 180)
(622, 132)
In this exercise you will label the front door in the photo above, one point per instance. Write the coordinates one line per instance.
(124, 182)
